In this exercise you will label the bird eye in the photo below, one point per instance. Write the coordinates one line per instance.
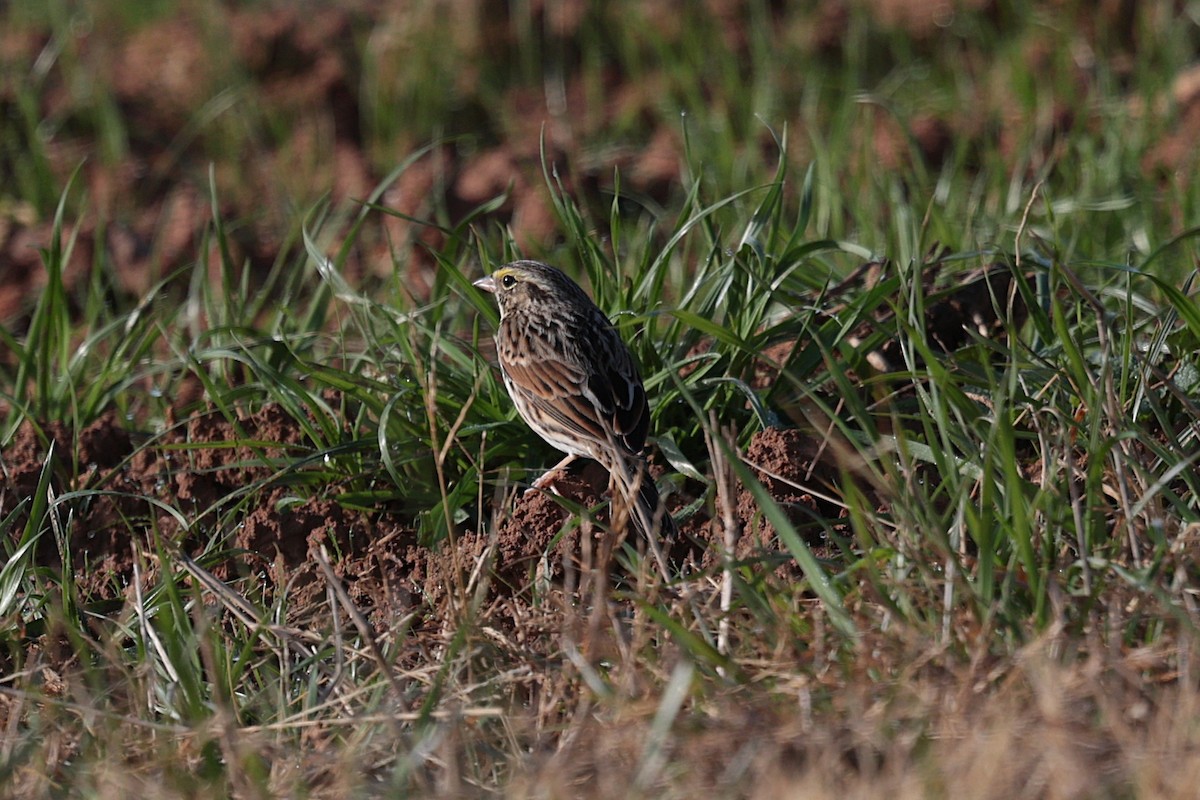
(508, 281)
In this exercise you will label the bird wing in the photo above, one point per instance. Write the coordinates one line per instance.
(558, 391)
(619, 386)
(598, 395)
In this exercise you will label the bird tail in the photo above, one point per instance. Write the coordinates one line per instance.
(646, 508)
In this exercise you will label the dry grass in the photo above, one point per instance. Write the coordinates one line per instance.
(1036, 725)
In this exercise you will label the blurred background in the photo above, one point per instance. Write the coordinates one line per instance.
(173, 114)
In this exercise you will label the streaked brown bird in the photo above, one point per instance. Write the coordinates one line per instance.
(574, 381)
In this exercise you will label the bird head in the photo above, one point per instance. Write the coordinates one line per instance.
(529, 283)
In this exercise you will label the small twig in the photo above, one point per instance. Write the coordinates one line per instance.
(338, 640)
(723, 477)
(439, 452)
(1033, 194)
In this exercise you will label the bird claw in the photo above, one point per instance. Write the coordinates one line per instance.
(546, 483)
(547, 479)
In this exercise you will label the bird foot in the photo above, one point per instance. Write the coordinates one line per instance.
(547, 479)
(545, 483)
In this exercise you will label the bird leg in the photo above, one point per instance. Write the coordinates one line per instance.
(547, 478)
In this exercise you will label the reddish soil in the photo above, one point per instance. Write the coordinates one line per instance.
(193, 469)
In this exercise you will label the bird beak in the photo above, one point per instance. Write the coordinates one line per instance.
(487, 283)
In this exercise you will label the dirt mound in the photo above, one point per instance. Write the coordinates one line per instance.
(228, 490)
